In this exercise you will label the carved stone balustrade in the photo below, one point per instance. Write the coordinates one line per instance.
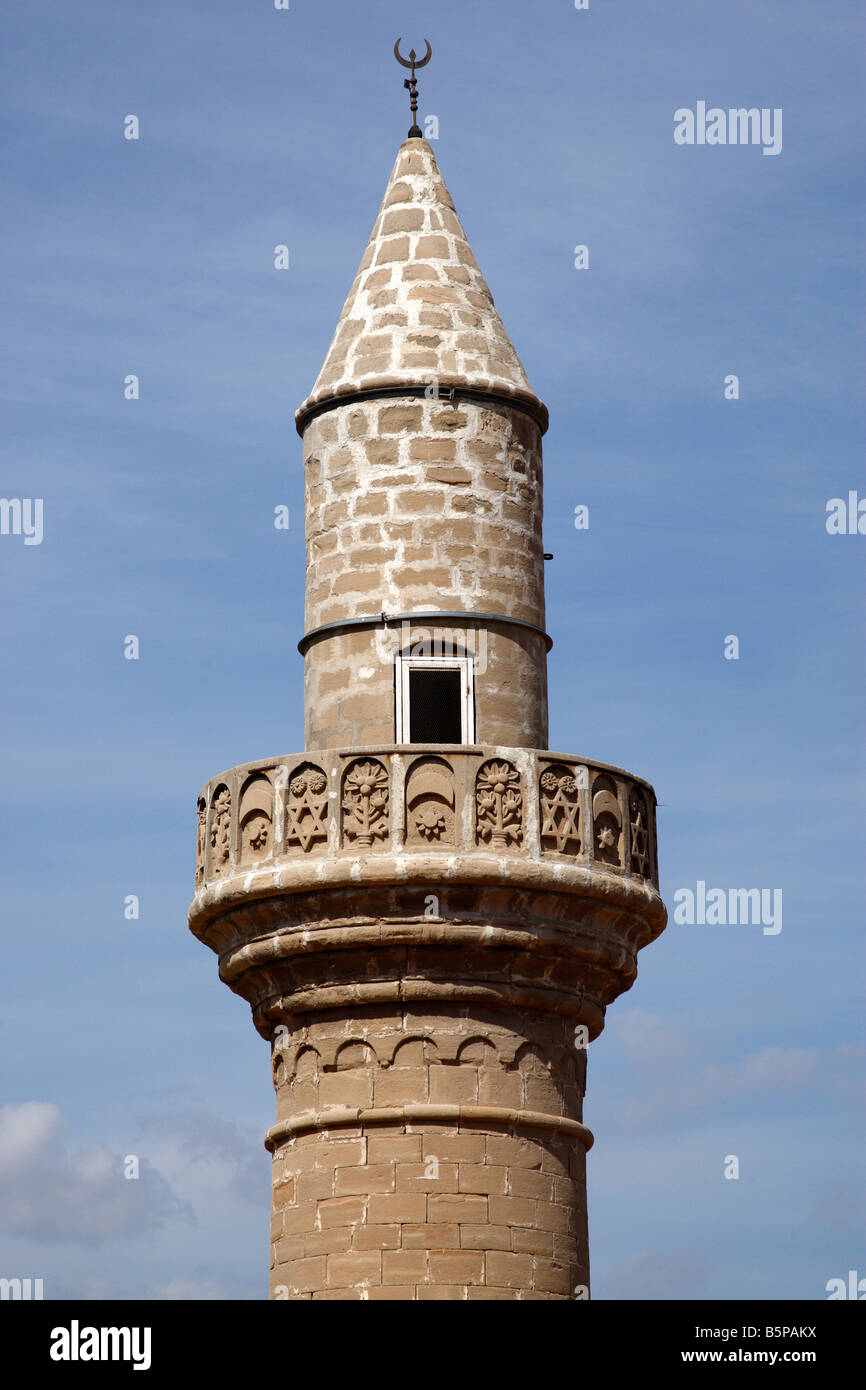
(321, 873)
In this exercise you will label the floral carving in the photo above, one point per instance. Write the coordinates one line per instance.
(200, 843)
(430, 823)
(307, 810)
(365, 803)
(498, 804)
(639, 826)
(560, 811)
(219, 830)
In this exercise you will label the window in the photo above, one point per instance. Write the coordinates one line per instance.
(435, 700)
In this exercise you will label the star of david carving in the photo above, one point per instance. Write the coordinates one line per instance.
(560, 813)
(307, 817)
(639, 841)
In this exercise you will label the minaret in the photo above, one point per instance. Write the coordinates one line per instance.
(427, 910)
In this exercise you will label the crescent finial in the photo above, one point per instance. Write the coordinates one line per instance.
(412, 61)
(411, 83)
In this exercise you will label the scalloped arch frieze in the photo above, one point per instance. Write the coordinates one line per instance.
(305, 1060)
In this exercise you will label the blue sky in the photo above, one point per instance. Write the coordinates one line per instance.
(707, 518)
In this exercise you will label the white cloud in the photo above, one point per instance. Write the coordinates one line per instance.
(646, 1038)
(80, 1197)
(780, 1066)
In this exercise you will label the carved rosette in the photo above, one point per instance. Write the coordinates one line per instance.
(307, 807)
(498, 805)
(639, 827)
(560, 810)
(365, 803)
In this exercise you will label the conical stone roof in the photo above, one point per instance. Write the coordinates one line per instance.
(419, 309)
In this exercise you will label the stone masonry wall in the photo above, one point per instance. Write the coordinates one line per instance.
(349, 683)
(410, 499)
(433, 1208)
(416, 504)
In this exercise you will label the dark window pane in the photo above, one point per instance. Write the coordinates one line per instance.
(434, 706)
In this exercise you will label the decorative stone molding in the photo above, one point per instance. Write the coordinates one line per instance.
(560, 810)
(489, 1116)
(607, 821)
(255, 815)
(366, 791)
(219, 840)
(641, 856)
(201, 842)
(430, 803)
(307, 808)
(409, 801)
(498, 805)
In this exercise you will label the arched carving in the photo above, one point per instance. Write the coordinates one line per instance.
(255, 814)
(560, 810)
(639, 830)
(219, 842)
(430, 803)
(606, 821)
(355, 1053)
(532, 1058)
(477, 1052)
(307, 808)
(365, 803)
(306, 1063)
(498, 805)
(414, 1052)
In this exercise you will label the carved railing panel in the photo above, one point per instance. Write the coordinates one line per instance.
(406, 800)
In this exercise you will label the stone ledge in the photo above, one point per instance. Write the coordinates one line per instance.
(340, 1117)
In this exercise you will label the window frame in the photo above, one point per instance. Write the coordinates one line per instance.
(404, 665)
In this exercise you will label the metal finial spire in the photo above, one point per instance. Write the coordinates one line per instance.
(411, 83)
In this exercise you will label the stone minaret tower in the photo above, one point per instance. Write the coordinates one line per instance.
(427, 910)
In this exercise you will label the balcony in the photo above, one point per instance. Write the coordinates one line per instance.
(364, 876)
(308, 811)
